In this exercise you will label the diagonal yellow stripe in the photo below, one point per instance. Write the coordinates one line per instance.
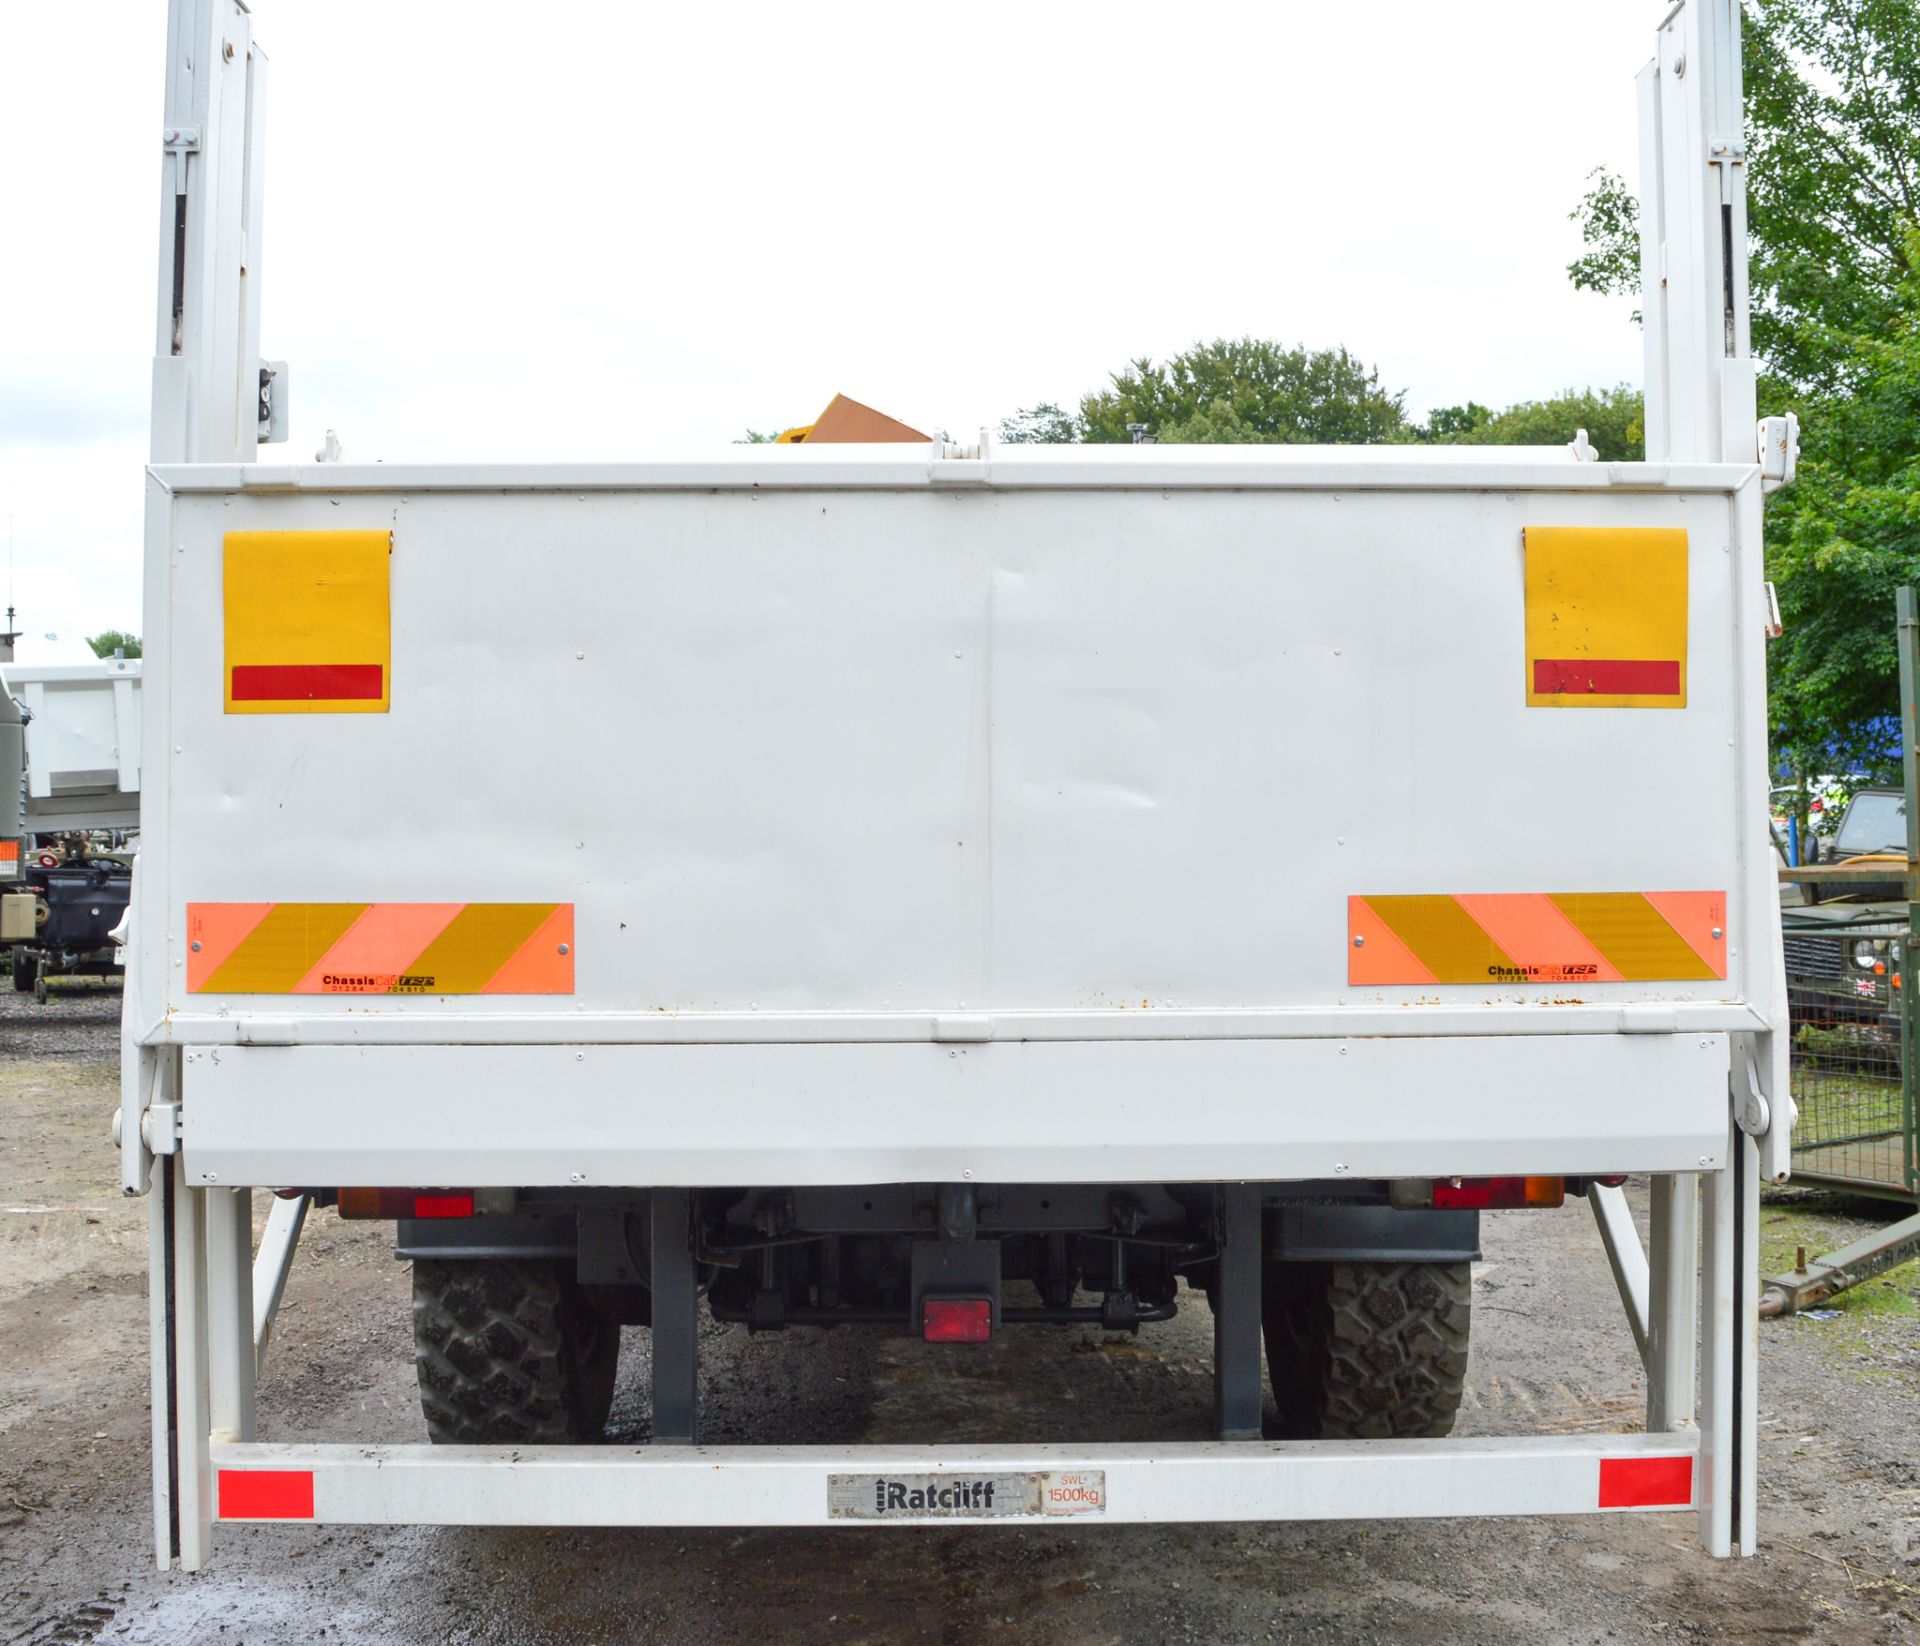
(1447, 940)
(283, 948)
(1633, 935)
(481, 939)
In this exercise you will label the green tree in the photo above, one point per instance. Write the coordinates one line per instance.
(1246, 390)
(1613, 419)
(1840, 541)
(1042, 425)
(108, 641)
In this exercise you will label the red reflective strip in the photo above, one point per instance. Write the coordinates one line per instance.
(289, 682)
(1646, 1482)
(1622, 676)
(266, 1494)
(443, 1205)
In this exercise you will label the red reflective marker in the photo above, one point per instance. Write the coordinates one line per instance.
(1646, 1482)
(956, 1319)
(266, 1494)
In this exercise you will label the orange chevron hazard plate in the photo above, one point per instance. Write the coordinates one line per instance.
(380, 948)
(1538, 937)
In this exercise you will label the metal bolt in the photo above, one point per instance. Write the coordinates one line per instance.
(1706, 1160)
(196, 946)
(1359, 942)
(210, 1177)
(1340, 840)
(579, 1057)
(1339, 1168)
(966, 1174)
(1717, 932)
(566, 948)
(579, 657)
(576, 1177)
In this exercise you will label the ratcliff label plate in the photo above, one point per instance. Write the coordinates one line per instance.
(965, 1496)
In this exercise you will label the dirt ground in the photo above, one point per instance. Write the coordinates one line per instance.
(1839, 1488)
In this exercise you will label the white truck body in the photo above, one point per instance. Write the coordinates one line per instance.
(1051, 822)
(924, 817)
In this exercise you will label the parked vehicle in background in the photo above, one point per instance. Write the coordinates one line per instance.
(70, 769)
(1838, 938)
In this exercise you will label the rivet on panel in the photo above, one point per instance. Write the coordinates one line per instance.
(1717, 932)
(196, 946)
(566, 948)
(1359, 942)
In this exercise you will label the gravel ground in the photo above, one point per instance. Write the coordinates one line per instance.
(1840, 1483)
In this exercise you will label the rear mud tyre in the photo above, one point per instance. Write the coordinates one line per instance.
(25, 971)
(510, 1350)
(1367, 1351)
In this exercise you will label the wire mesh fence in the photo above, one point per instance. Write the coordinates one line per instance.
(1847, 990)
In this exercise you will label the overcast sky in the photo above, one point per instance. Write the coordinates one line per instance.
(577, 231)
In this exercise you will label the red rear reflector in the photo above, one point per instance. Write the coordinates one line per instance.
(956, 1319)
(1625, 676)
(266, 1494)
(291, 682)
(1646, 1482)
(443, 1205)
(1483, 1194)
(405, 1203)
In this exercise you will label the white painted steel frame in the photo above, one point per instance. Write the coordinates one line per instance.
(787, 1485)
(1015, 1112)
(211, 1411)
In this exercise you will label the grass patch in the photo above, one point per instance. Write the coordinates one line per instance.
(1877, 1331)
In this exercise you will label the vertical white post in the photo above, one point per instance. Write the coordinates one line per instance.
(1729, 1323)
(160, 1348)
(193, 1471)
(1653, 265)
(206, 369)
(1700, 381)
(1673, 1234)
(230, 1359)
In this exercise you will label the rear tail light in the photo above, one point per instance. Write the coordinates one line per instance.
(1487, 1194)
(956, 1319)
(406, 1203)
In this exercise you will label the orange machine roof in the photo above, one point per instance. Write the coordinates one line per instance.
(847, 421)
